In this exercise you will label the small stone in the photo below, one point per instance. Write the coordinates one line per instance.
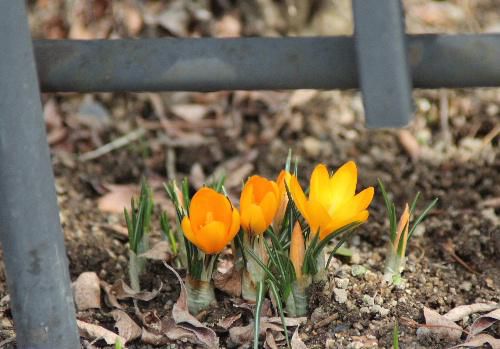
(357, 326)
(384, 311)
(379, 299)
(355, 258)
(358, 270)
(312, 146)
(340, 295)
(368, 300)
(342, 282)
(317, 315)
(364, 310)
(393, 303)
(370, 276)
(466, 286)
(419, 230)
(330, 343)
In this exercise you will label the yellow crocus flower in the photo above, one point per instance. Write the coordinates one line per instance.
(332, 202)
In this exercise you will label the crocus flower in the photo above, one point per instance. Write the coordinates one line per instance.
(332, 203)
(282, 180)
(258, 204)
(212, 222)
(297, 249)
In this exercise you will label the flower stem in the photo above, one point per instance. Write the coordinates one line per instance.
(200, 294)
(134, 266)
(394, 266)
(296, 304)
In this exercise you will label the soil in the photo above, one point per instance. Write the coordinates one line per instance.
(453, 260)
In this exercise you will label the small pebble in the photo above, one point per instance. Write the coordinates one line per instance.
(330, 344)
(368, 300)
(466, 286)
(379, 299)
(340, 295)
(364, 310)
(358, 270)
(342, 282)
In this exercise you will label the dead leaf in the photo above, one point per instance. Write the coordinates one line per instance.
(270, 341)
(227, 322)
(87, 291)
(301, 97)
(409, 143)
(485, 321)
(120, 290)
(296, 341)
(441, 326)
(153, 338)
(117, 198)
(241, 335)
(462, 311)
(480, 340)
(192, 113)
(92, 331)
(160, 252)
(186, 321)
(127, 328)
(229, 282)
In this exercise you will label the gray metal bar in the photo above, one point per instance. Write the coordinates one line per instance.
(382, 62)
(254, 63)
(30, 233)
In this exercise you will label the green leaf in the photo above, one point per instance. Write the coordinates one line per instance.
(395, 336)
(422, 216)
(279, 304)
(258, 309)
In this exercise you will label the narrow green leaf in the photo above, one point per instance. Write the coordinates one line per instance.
(258, 310)
(279, 304)
(395, 336)
(422, 216)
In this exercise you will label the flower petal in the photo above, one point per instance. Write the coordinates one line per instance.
(320, 188)
(235, 225)
(269, 206)
(337, 224)
(208, 200)
(318, 217)
(188, 230)
(298, 196)
(343, 184)
(212, 238)
(257, 224)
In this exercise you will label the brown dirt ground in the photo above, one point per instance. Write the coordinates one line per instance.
(251, 132)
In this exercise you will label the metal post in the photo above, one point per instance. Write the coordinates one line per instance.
(30, 232)
(382, 61)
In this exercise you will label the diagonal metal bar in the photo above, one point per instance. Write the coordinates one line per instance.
(382, 61)
(436, 61)
(30, 232)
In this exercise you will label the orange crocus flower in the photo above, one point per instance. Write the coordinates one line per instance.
(258, 204)
(332, 203)
(212, 222)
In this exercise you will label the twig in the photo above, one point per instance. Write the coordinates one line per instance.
(326, 321)
(448, 247)
(115, 144)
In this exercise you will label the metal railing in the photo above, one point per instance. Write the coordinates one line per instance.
(380, 58)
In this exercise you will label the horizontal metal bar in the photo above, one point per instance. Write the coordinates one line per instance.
(254, 63)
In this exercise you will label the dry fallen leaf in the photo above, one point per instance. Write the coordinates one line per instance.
(296, 341)
(243, 335)
(117, 198)
(192, 113)
(120, 290)
(229, 282)
(160, 252)
(184, 320)
(485, 321)
(87, 291)
(480, 340)
(462, 311)
(127, 328)
(92, 331)
(441, 326)
(227, 322)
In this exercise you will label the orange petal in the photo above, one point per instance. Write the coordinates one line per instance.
(188, 231)
(343, 184)
(257, 224)
(297, 249)
(212, 238)
(298, 196)
(208, 200)
(269, 206)
(337, 224)
(235, 225)
(246, 200)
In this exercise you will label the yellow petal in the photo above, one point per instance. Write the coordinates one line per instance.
(298, 196)
(353, 206)
(187, 229)
(320, 188)
(343, 184)
(212, 238)
(318, 217)
(336, 224)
